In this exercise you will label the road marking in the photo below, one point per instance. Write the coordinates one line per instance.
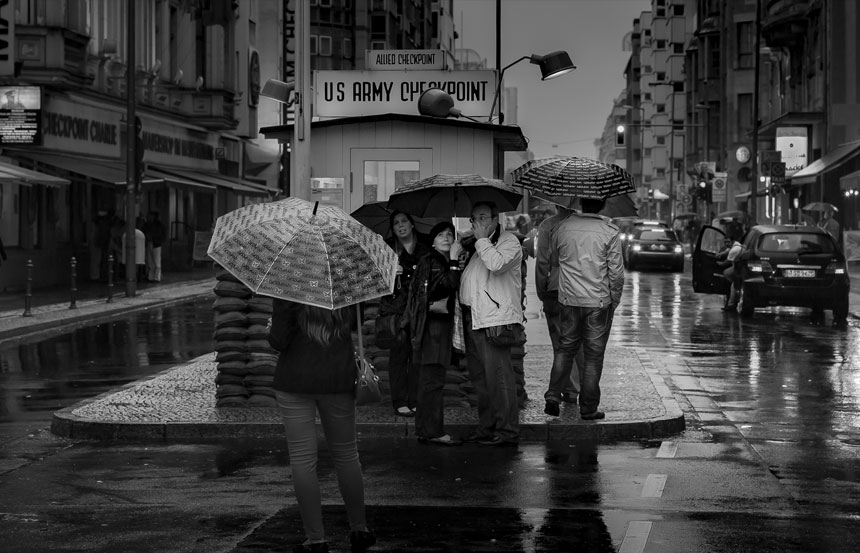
(667, 450)
(654, 485)
(636, 537)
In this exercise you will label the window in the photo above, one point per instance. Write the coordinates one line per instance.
(10, 214)
(661, 140)
(347, 48)
(377, 45)
(678, 10)
(325, 45)
(382, 178)
(314, 47)
(661, 44)
(660, 108)
(745, 113)
(746, 44)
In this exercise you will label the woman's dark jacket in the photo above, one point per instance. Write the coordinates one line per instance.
(396, 302)
(434, 279)
(305, 366)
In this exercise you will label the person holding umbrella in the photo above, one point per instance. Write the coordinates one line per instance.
(403, 374)
(491, 295)
(430, 310)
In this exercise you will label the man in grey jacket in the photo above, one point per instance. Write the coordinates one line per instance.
(491, 295)
(591, 279)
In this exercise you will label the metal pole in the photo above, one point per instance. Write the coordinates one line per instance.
(110, 279)
(74, 291)
(751, 205)
(672, 160)
(130, 173)
(28, 294)
(301, 146)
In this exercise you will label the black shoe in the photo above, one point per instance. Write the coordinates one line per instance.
(311, 548)
(360, 540)
(594, 415)
(568, 397)
(474, 438)
(496, 441)
(552, 408)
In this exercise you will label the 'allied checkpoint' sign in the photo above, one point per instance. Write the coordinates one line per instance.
(357, 93)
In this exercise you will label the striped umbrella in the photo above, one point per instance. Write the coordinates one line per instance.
(574, 176)
(303, 252)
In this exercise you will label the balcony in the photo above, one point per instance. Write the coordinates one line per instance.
(52, 55)
(785, 21)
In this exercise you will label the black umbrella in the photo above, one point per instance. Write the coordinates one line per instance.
(453, 195)
(574, 176)
(376, 217)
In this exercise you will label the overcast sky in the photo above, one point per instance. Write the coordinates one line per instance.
(565, 115)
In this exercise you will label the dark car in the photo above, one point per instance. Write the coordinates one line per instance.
(654, 246)
(627, 226)
(781, 265)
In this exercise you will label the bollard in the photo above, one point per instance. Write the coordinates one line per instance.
(28, 296)
(74, 290)
(110, 278)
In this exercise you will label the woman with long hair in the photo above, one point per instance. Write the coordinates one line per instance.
(315, 375)
(430, 310)
(402, 374)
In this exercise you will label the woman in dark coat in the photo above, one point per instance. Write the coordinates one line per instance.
(403, 376)
(430, 310)
(315, 375)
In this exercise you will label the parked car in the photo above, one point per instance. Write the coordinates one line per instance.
(781, 265)
(654, 246)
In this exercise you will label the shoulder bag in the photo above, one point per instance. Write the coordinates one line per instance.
(366, 383)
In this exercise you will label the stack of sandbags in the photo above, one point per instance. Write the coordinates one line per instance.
(230, 336)
(262, 358)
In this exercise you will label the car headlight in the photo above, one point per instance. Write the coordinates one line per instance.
(679, 248)
(637, 247)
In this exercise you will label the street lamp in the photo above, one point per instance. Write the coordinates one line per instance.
(552, 65)
(435, 102)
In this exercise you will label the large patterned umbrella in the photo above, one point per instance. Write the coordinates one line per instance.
(453, 195)
(303, 252)
(574, 176)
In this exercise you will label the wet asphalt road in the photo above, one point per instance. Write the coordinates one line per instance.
(770, 462)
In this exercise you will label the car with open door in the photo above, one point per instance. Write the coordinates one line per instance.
(781, 265)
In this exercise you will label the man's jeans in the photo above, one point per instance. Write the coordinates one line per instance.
(552, 310)
(587, 328)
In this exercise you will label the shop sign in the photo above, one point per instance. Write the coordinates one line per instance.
(357, 93)
(79, 128)
(409, 60)
(792, 142)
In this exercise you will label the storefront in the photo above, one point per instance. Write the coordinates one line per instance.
(83, 144)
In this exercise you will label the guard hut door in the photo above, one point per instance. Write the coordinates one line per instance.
(376, 173)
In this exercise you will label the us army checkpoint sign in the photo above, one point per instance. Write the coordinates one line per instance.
(356, 93)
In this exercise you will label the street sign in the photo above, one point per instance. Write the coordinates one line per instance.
(777, 173)
(686, 199)
(766, 168)
(771, 156)
(718, 187)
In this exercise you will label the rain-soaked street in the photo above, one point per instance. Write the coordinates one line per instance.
(770, 460)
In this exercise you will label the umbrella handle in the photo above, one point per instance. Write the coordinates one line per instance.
(360, 340)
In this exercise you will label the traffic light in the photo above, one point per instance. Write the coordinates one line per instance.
(139, 165)
(703, 190)
(619, 135)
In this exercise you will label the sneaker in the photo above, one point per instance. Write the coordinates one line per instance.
(474, 437)
(404, 412)
(594, 415)
(360, 540)
(496, 441)
(552, 408)
(447, 439)
(569, 397)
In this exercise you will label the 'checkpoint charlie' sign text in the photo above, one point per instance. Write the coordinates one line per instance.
(356, 93)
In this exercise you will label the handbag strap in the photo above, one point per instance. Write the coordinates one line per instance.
(360, 340)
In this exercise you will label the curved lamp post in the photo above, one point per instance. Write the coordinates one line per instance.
(435, 102)
(552, 65)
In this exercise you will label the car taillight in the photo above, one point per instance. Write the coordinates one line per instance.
(760, 267)
(836, 268)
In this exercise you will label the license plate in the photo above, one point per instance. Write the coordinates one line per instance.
(800, 273)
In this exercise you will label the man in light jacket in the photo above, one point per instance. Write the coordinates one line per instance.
(591, 278)
(546, 286)
(491, 295)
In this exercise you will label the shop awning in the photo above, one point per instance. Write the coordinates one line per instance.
(112, 172)
(829, 161)
(851, 181)
(240, 186)
(28, 177)
(790, 119)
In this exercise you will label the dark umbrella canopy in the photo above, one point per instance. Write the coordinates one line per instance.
(376, 216)
(574, 176)
(453, 195)
(616, 206)
(819, 206)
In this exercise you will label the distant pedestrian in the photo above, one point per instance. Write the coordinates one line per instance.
(591, 278)
(139, 253)
(830, 224)
(314, 377)
(154, 231)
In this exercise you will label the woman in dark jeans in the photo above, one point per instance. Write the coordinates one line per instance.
(431, 322)
(403, 376)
